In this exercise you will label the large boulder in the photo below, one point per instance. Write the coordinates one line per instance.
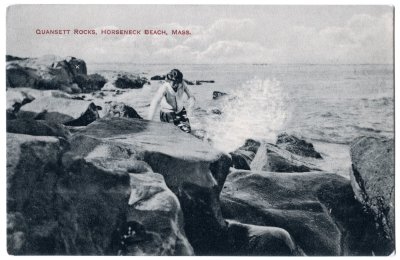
(297, 146)
(32, 173)
(90, 83)
(263, 156)
(119, 109)
(87, 197)
(318, 209)
(61, 110)
(54, 211)
(152, 221)
(373, 180)
(51, 72)
(192, 169)
(130, 81)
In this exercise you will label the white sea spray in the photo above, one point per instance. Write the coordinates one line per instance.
(258, 109)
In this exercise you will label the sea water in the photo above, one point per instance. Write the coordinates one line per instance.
(329, 105)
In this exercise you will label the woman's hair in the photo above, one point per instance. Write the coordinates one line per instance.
(175, 75)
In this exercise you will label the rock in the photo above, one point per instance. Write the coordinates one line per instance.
(272, 158)
(153, 220)
(15, 94)
(32, 169)
(155, 213)
(373, 180)
(81, 198)
(318, 209)
(10, 115)
(47, 72)
(252, 240)
(11, 58)
(262, 156)
(16, 230)
(192, 169)
(37, 127)
(204, 81)
(16, 99)
(66, 111)
(79, 97)
(244, 155)
(297, 146)
(17, 76)
(218, 94)
(216, 111)
(119, 109)
(77, 66)
(99, 94)
(130, 81)
(188, 82)
(90, 83)
(157, 77)
(52, 72)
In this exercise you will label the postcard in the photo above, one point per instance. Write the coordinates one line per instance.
(207, 130)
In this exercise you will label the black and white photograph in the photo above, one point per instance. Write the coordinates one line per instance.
(199, 130)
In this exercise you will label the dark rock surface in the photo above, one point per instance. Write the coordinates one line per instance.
(32, 169)
(252, 240)
(244, 155)
(157, 77)
(157, 209)
(152, 211)
(119, 109)
(218, 94)
(297, 146)
(198, 82)
(37, 127)
(128, 81)
(216, 111)
(90, 83)
(11, 58)
(85, 198)
(318, 209)
(51, 72)
(374, 184)
(188, 82)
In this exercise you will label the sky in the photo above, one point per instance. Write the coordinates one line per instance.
(219, 34)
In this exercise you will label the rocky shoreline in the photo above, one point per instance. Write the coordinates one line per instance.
(96, 179)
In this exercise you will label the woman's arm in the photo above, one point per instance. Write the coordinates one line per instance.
(156, 101)
(191, 100)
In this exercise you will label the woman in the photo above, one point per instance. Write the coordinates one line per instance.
(171, 96)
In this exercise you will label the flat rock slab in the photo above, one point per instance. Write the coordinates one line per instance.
(152, 136)
(62, 110)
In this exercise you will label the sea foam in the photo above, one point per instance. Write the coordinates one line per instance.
(258, 109)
